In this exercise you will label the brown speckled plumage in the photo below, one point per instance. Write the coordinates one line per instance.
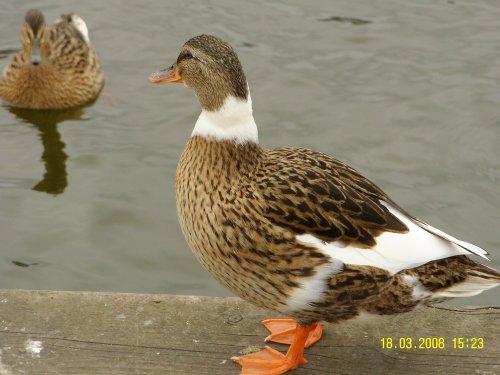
(310, 192)
(216, 204)
(67, 73)
(262, 221)
(241, 207)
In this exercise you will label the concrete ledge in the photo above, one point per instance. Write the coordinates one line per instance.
(68, 333)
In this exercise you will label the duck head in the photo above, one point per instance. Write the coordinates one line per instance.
(31, 36)
(76, 24)
(210, 67)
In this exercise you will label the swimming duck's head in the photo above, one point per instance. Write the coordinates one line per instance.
(31, 35)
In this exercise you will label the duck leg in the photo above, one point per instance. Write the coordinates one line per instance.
(271, 362)
(283, 331)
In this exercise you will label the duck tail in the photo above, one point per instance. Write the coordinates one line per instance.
(478, 279)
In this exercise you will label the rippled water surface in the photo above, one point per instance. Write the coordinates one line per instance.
(406, 92)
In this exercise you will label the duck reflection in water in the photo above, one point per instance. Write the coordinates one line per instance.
(55, 178)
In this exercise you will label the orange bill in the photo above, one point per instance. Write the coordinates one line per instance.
(166, 75)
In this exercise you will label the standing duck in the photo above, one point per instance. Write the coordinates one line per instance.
(296, 231)
(56, 68)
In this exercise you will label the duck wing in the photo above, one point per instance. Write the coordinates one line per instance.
(331, 206)
(310, 192)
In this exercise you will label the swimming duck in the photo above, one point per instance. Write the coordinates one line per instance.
(296, 231)
(56, 68)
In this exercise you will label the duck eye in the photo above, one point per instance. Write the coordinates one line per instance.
(188, 55)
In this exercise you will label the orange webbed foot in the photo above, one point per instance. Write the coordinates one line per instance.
(283, 331)
(272, 362)
(267, 362)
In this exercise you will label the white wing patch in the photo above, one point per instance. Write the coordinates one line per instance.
(418, 291)
(466, 245)
(313, 288)
(398, 251)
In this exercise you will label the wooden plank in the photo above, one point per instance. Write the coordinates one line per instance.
(81, 333)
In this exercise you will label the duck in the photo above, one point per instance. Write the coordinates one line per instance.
(296, 231)
(56, 68)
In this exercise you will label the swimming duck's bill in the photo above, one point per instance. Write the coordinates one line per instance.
(168, 75)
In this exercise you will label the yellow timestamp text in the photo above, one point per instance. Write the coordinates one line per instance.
(432, 343)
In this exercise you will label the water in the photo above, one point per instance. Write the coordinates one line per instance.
(406, 92)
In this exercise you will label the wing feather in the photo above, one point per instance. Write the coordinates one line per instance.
(310, 192)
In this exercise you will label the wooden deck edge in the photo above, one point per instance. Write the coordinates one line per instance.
(51, 332)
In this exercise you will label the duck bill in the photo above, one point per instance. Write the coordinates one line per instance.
(168, 75)
(36, 55)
